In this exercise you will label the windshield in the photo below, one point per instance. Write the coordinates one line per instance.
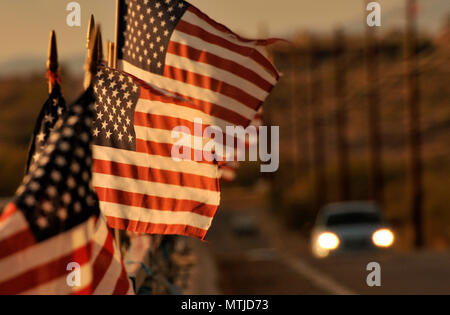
(353, 218)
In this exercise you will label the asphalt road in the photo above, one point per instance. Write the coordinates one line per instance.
(272, 260)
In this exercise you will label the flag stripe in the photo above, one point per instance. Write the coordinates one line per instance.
(187, 218)
(201, 44)
(153, 202)
(197, 31)
(154, 175)
(156, 189)
(188, 89)
(152, 228)
(222, 28)
(213, 84)
(44, 273)
(162, 163)
(51, 249)
(210, 112)
(239, 70)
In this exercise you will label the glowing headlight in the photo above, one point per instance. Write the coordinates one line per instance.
(383, 238)
(328, 240)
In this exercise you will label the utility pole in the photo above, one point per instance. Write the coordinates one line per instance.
(340, 81)
(414, 139)
(315, 104)
(294, 113)
(373, 100)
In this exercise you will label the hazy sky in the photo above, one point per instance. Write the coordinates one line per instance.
(25, 24)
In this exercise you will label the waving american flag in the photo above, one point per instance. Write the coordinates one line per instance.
(175, 46)
(54, 222)
(140, 186)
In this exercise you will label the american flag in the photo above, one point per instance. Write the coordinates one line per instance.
(175, 46)
(54, 220)
(140, 186)
(52, 109)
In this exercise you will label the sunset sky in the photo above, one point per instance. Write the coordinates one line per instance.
(25, 24)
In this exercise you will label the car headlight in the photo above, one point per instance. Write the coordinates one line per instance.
(383, 238)
(328, 240)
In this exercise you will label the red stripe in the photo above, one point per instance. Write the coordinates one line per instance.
(151, 228)
(169, 123)
(8, 211)
(154, 175)
(223, 28)
(103, 260)
(16, 243)
(213, 85)
(154, 202)
(219, 62)
(165, 150)
(245, 51)
(123, 283)
(204, 106)
(45, 272)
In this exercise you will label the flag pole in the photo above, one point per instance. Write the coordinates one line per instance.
(52, 62)
(92, 60)
(116, 44)
(90, 30)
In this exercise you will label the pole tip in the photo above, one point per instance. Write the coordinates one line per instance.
(90, 30)
(52, 60)
(92, 60)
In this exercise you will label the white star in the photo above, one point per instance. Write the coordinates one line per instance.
(62, 214)
(48, 118)
(96, 132)
(108, 134)
(42, 222)
(41, 136)
(120, 135)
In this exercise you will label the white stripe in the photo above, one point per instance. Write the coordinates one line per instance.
(156, 189)
(155, 216)
(195, 20)
(7, 229)
(46, 251)
(114, 271)
(188, 89)
(165, 136)
(153, 161)
(216, 73)
(59, 285)
(198, 43)
(178, 111)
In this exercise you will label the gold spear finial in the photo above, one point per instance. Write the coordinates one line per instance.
(90, 30)
(92, 61)
(100, 47)
(52, 61)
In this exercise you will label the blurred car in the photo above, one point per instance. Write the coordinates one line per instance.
(350, 226)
